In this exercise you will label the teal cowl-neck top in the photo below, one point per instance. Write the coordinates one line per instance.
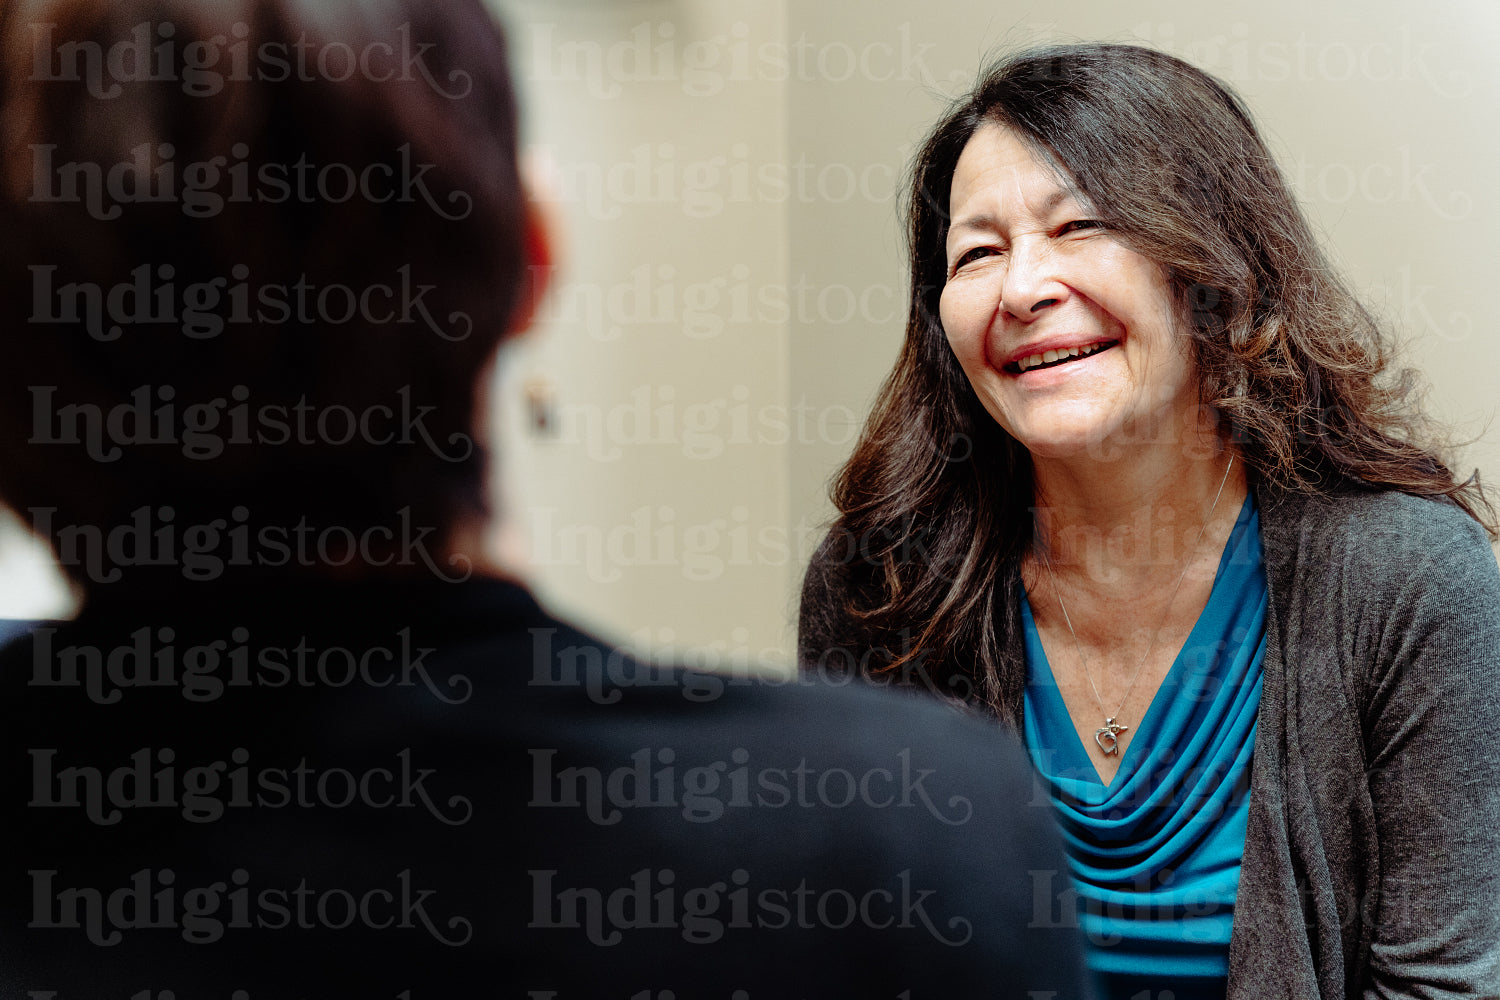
(1155, 854)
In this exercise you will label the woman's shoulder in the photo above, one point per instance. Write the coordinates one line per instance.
(1376, 520)
(1377, 541)
(840, 567)
(832, 580)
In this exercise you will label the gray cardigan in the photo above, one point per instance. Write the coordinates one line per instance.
(1372, 859)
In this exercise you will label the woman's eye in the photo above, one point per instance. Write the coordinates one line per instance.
(972, 254)
(1080, 224)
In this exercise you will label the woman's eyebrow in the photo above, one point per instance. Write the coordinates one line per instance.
(985, 222)
(1057, 197)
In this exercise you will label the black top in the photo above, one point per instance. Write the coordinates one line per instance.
(414, 789)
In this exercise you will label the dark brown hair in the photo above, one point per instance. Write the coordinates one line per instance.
(256, 113)
(938, 497)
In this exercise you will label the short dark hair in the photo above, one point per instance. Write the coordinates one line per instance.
(291, 211)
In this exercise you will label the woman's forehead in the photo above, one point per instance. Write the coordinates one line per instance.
(1000, 178)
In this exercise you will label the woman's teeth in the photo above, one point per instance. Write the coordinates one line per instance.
(1052, 357)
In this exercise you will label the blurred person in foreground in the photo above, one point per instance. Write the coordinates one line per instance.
(303, 739)
(1175, 525)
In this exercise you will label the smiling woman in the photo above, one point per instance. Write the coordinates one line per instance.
(1142, 486)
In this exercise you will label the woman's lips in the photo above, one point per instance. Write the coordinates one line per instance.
(1042, 360)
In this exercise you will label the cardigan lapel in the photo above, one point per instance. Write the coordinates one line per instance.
(1270, 954)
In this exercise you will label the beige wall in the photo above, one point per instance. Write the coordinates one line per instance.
(655, 511)
(733, 288)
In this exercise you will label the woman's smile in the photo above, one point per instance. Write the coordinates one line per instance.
(1042, 359)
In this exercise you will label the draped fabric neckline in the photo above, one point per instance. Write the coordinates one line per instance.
(1155, 853)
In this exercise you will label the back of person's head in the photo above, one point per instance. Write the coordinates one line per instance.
(256, 255)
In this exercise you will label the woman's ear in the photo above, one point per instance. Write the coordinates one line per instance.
(538, 240)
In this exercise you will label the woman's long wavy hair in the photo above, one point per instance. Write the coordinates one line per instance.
(940, 497)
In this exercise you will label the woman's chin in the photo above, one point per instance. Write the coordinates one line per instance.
(1072, 443)
(1072, 451)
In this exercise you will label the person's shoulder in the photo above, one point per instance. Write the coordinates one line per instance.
(847, 729)
(976, 747)
(1395, 554)
(881, 713)
(839, 575)
(1380, 524)
(827, 575)
(840, 714)
(1393, 510)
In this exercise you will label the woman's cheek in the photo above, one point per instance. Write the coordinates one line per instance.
(955, 313)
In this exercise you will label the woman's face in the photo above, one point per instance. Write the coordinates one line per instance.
(1068, 337)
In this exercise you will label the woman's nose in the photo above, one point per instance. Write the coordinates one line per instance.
(1030, 286)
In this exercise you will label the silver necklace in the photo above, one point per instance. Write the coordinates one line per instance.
(1108, 735)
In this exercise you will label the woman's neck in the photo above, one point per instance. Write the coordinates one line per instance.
(1133, 520)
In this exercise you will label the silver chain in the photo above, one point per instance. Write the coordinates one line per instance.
(1111, 730)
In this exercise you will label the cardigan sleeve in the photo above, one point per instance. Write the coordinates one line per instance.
(823, 624)
(832, 638)
(1432, 738)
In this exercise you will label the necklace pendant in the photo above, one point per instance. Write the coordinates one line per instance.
(1107, 736)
